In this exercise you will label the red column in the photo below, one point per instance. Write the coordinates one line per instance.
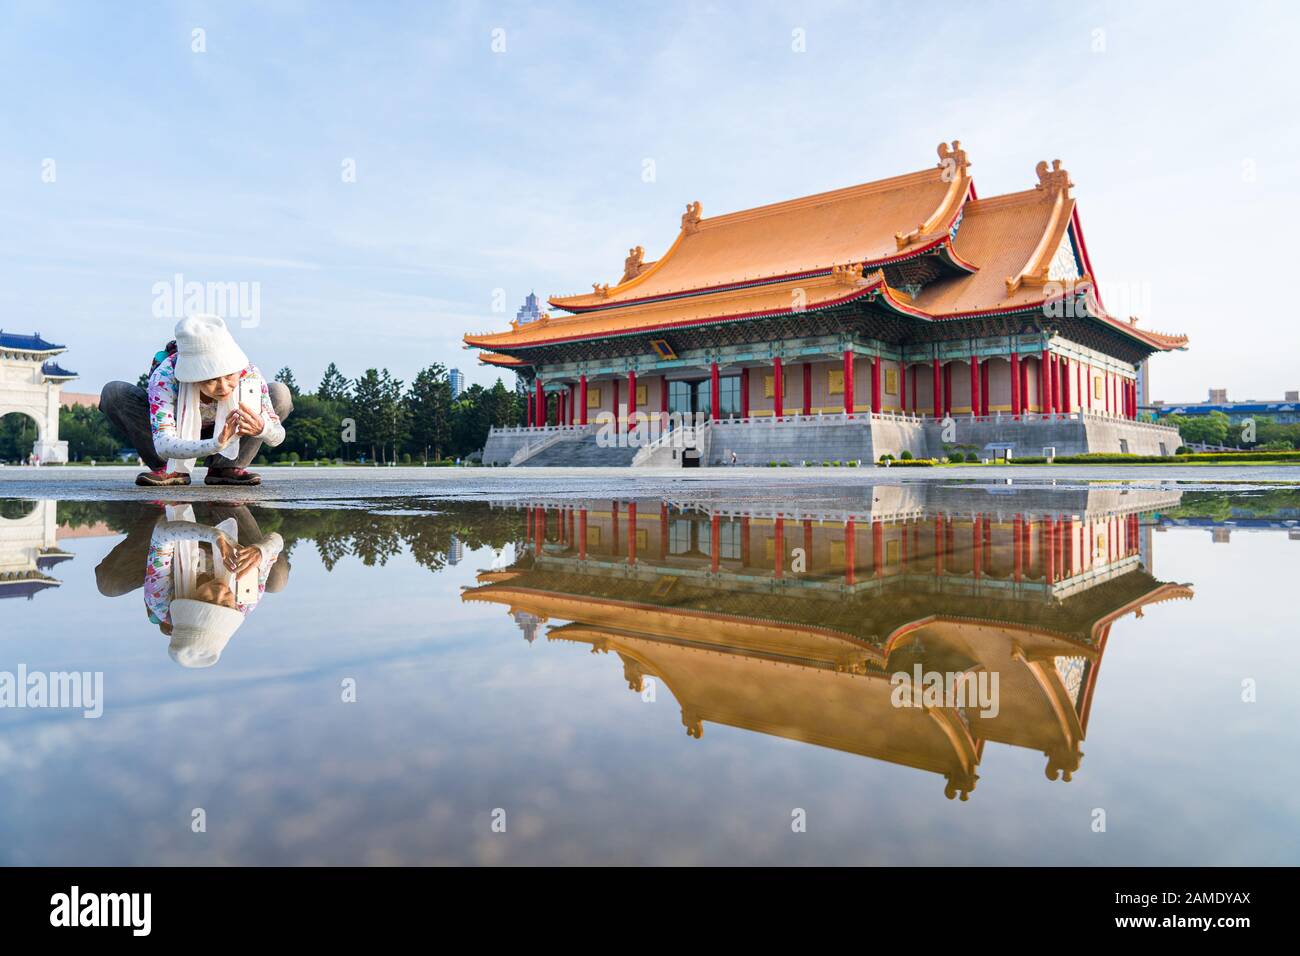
(539, 405)
(582, 399)
(877, 401)
(974, 385)
(778, 546)
(848, 383)
(631, 532)
(807, 388)
(850, 554)
(631, 397)
(1015, 384)
(778, 387)
(744, 393)
(582, 534)
(715, 395)
(938, 399)
(877, 548)
(715, 541)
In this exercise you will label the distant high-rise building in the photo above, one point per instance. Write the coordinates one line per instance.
(455, 551)
(528, 312)
(457, 378)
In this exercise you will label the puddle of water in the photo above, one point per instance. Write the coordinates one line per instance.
(907, 674)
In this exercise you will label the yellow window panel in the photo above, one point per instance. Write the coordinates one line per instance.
(1098, 388)
(641, 396)
(891, 381)
(593, 398)
(835, 381)
(769, 386)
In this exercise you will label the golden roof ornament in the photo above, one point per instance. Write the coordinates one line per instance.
(953, 157)
(599, 289)
(691, 218)
(1053, 179)
(848, 274)
(633, 264)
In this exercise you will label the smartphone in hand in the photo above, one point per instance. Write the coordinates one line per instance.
(246, 586)
(250, 393)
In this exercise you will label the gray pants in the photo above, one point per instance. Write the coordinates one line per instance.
(127, 407)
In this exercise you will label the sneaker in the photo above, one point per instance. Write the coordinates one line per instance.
(161, 478)
(231, 476)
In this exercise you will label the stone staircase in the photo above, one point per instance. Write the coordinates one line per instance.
(585, 453)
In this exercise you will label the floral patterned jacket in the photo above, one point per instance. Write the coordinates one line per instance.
(158, 589)
(163, 396)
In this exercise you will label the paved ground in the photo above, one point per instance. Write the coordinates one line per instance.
(342, 484)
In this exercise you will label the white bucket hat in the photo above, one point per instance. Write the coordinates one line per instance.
(205, 349)
(201, 631)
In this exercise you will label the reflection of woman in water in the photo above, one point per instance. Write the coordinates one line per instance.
(190, 591)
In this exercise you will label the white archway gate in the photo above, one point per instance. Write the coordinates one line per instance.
(30, 381)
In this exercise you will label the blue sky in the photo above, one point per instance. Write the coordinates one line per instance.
(479, 171)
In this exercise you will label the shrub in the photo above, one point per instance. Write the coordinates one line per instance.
(905, 455)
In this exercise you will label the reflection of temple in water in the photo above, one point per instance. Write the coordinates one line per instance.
(29, 548)
(790, 621)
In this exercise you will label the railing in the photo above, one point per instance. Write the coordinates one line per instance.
(548, 437)
(685, 436)
(535, 429)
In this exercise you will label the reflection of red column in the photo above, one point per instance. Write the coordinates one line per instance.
(977, 545)
(778, 546)
(1017, 546)
(938, 395)
(744, 541)
(850, 554)
(1049, 547)
(938, 545)
(582, 400)
(778, 387)
(663, 529)
(877, 548)
(631, 532)
(744, 393)
(715, 541)
(807, 388)
(582, 534)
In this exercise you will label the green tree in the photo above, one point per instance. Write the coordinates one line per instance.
(428, 405)
(285, 378)
(334, 386)
(367, 410)
(1211, 429)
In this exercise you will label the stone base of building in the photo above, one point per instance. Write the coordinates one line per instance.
(797, 440)
(51, 452)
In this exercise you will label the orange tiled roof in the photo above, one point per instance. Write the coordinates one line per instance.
(810, 253)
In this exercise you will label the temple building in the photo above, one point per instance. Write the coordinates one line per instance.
(30, 382)
(796, 622)
(843, 325)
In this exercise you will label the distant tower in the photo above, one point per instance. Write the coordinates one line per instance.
(528, 312)
(457, 378)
